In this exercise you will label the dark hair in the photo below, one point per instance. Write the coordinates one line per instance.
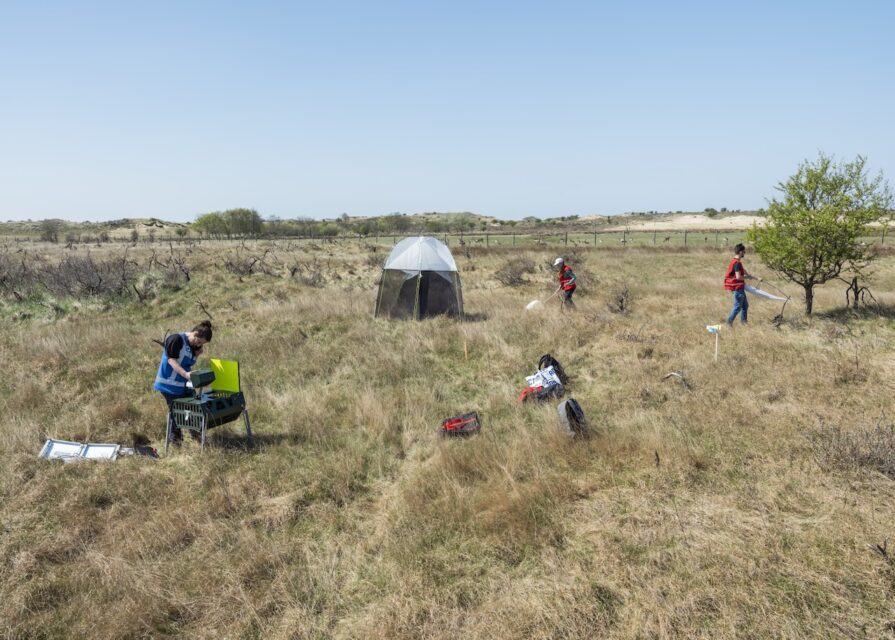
(203, 330)
(736, 249)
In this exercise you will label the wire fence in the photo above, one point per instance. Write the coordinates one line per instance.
(526, 239)
(577, 239)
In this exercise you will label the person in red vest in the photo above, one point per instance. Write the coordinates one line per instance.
(566, 282)
(735, 280)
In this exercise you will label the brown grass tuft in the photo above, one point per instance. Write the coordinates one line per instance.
(697, 509)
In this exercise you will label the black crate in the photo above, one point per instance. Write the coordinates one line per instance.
(214, 408)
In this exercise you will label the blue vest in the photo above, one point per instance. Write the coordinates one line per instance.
(169, 381)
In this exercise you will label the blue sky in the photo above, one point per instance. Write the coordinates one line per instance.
(171, 109)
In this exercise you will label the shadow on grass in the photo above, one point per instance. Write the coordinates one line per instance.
(475, 317)
(843, 314)
(236, 440)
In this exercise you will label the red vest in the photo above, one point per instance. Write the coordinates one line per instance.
(566, 278)
(731, 283)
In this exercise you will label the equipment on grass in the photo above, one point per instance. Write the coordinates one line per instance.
(716, 329)
(222, 404)
(547, 361)
(778, 319)
(462, 425)
(571, 418)
(755, 291)
(548, 381)
(68, 451)
(537, 304)
(542, 393)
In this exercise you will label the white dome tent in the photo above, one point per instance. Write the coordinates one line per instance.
(419, 280)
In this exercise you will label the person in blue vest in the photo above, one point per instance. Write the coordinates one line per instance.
(181, 350)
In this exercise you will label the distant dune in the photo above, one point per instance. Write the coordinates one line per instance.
(685, 221)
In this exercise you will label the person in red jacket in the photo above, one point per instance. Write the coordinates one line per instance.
(735, 280)
(566, 282)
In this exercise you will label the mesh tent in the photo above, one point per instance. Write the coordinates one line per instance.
(419, 280)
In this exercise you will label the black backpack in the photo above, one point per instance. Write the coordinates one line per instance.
(571, 418)
(549, 361)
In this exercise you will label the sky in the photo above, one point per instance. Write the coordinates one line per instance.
(510, 109)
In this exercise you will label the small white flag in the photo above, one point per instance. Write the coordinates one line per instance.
(713, 328)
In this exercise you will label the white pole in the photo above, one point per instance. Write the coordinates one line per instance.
(717, 338)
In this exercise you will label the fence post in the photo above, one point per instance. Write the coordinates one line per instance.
(514, 239)
(487, 240)
(595, 238)
(567, 238)
(685, 238)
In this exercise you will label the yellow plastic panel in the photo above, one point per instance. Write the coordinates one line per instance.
(226, 375)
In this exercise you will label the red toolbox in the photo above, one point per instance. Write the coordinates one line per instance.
(462, 425)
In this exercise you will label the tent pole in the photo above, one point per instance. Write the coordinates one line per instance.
(379, 297)
(416, 298)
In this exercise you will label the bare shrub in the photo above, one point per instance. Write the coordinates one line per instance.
(857, 295)
(626, 335)
(18, 275)
(512, 273)
(174, 279)
(242, 263)
(374, 261)
(83, 276)
(309, 273)
(872, 448)
(619, 299)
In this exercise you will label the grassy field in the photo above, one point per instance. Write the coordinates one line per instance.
(749, 498)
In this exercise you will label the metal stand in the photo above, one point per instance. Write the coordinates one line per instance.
(168, 431)
(203, 428)
(245, 414)
(199, 422)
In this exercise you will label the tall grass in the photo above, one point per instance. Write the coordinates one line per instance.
(694, 511)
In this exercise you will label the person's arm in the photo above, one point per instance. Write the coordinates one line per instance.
(176, 366)
(749, 276)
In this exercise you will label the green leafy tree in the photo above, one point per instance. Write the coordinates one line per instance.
(813, 233)
(211, 224)
(394, 222)
(51, 229)
(243, 222)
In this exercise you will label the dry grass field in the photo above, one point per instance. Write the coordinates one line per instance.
(748, 499)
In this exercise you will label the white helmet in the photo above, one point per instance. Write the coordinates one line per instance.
(557, 262)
